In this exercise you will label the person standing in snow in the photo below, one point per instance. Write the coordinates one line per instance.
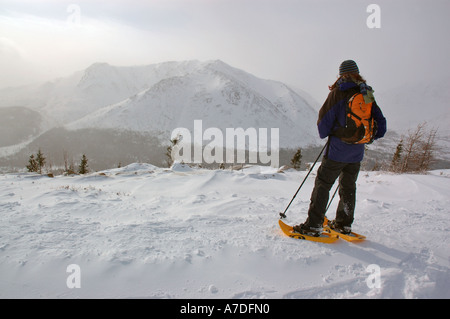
(340, 159)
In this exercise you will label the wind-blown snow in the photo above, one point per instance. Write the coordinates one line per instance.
(144, 231)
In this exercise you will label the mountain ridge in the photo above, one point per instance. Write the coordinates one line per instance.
(211, 91)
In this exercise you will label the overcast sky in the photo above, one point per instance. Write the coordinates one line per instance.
(299, 42)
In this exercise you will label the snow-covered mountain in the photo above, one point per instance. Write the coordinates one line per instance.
(69, 98)
(165, 96)
(217, 94)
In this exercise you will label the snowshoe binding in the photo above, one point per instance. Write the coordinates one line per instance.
(345, 230)
(307, 230)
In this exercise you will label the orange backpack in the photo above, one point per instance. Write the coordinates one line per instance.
(360, 127)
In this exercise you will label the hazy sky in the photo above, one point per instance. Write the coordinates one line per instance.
(299, 42)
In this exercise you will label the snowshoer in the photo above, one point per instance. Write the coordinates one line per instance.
(342, 158)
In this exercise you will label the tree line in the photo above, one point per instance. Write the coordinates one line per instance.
(415, 152)
(36, 163)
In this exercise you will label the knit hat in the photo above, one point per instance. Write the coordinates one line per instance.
(348, 66)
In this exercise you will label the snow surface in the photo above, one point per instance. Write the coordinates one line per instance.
(146, 232)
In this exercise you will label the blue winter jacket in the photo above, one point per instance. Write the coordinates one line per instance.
(332, 116)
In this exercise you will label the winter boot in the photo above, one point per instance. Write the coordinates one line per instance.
(340, 229)
(307, 230)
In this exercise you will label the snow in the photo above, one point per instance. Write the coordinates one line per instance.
(159, 98)
(218, 94)
(146, 232)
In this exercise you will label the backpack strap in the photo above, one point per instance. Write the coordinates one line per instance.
(349, 110)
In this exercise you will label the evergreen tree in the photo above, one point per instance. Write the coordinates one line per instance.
(32, 164)
(40, 159)
(36, 163)
(83, 168)
(296, 161)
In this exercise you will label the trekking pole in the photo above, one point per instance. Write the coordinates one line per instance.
(283, 214)
(332, 197)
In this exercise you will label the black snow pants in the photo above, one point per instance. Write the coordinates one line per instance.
(327, 174)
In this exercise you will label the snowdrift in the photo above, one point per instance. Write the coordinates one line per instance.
(146, 232)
